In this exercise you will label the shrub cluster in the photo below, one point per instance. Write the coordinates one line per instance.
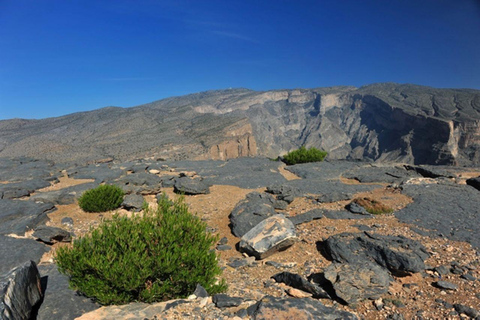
(304, 155)
(159, 255)
(373, 206)
(102, 198)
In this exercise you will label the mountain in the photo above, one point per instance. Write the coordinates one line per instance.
(379, 122)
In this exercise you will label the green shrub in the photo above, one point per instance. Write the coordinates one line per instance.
(159, 255)
(304, 155)
(102, 198)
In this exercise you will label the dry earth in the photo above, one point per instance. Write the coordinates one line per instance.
(407, 295)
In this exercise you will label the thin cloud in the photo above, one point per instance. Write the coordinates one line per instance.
(234, 36)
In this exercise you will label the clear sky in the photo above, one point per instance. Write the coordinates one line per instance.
(64, 56)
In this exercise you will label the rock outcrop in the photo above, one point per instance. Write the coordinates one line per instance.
(380, 122)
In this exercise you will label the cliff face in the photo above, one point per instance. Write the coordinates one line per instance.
(381, 122)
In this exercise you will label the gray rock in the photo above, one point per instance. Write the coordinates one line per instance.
(51, 235)
(397, 253)
(21, 189)
(471, 312)
(334, 197)
(294, 308)
(379, 173)
(19, 251)
(468, 277)
(446, 285)
(20, 292)
(18, 216)
(354, 207)
(133, 202)
(356, 282)
(61, 197)
(223, 247)
(284, 192)
(249, 212)
(474, 182)
(140, 182)
(450, 210)
(200, 292)
(99, 172)
(224, 301)
(237, 263)
(271, 235)
(67, 221)
(60, 302)
(190, 186)
(307, 216)
(342, 214)
(298, 282)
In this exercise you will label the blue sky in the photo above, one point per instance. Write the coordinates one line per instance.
(64, 56)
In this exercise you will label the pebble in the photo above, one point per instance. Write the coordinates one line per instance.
(446, 285)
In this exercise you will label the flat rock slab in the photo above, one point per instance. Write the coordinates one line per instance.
(273, 234)
(249, 212)
(60, 302)
(99, 172)
(295, 308)
(247, 173)
(284, 192)
(343, 214)
(356, 282)
(18, 216)
(51, 235)
(20, 291)
(64, 196)
(450, 210)
(16, 170)
(307, 216)
(21, 189)
(15, 252)
(225, 301)
(380, 173)
(189, 186)
(396, 253)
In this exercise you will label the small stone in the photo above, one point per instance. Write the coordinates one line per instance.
(378, 303)
(472, 313)
(223, 247)
(446, 285)
(67, 221)
(200, 292)
(224, 301)
(224, 240)
(468, 277)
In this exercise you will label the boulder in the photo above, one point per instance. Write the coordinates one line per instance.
(133, 202)
(190, 186)
(224, 301)
(140, 182)
(51, 235)
(273, 234)
(255, 208)
(398, 254)
(295, 308)
(20, 292)
(354, 282)
(298, 282)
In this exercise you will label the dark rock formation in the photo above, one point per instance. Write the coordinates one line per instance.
(307, 216)
(298, 282)
(20, 291)
(189, 186)
(18, 216)
(133, 202)
(474, 182)
(380, 122)
(397, 253)
(249, 212)
(19, 251)
(51, 235)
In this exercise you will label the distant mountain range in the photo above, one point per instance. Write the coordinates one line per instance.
(379, 122)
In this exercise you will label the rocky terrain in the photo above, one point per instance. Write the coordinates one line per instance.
(293, 244)
(380, 122)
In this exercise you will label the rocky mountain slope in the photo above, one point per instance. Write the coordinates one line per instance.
(380, 122)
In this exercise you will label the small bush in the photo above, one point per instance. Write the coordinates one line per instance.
(372, 206)
(159, 255)
(304, 155)
(102, 198)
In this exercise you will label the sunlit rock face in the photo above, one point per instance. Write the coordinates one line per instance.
(380, 122)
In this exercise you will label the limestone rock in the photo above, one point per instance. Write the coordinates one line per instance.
(273, 234)
(20, 291)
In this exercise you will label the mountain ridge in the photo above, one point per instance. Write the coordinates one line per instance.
(379, 122)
